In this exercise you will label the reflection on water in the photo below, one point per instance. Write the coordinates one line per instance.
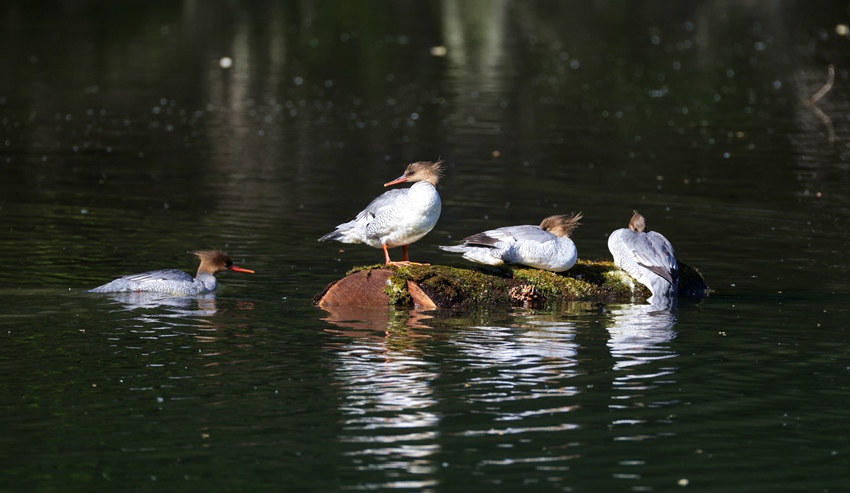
(640, 334)
(387, 406)
(167, 319)
(529, 352)
(372, 318)
(639, 339)
(388, 411)
(176, 306)
(510, 382)
(392, 420)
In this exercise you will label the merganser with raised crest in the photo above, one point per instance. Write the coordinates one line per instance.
(397, 217)
(648, 257)
(175, 282)
(546, 247)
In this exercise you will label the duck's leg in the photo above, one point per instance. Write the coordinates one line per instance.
(405, 259)
(387, 255)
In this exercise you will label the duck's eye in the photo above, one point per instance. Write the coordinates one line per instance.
(228, 264)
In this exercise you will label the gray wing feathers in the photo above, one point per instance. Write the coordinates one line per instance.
(160, 275)
(653, 252)
(385, 200)
(480, 239)
(138, 282)
(664, 259)
(508, 234)
(381, 206)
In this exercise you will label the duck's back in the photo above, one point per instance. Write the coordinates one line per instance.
(648, 257)
(160, 281)
(543, 250)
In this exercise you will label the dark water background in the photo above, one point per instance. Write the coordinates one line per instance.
(123, 143)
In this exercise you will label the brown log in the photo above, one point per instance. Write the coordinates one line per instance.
(439, 286)
(365, 287)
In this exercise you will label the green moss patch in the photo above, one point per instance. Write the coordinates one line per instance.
(591, 281)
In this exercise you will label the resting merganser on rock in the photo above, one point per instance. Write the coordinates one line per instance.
(546, 247)
(397, 217)
(175, 282)
(648, 257)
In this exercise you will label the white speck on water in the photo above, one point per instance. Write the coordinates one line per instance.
(225, 62)
(438, 51)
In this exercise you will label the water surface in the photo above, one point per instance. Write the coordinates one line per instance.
(125, 143)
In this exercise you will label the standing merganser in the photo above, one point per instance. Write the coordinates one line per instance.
(397, 217)
(648, 257)
(546, 247)
(173, 281)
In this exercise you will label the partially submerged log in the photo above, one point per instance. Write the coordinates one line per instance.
(440, 286)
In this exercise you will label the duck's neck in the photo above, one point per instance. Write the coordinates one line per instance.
(207, 280)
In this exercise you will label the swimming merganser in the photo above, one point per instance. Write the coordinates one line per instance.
(397, 217)
(648, 257)
(546, 247)
(173, 281)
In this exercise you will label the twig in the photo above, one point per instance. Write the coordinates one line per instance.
(813, 99)
(826, 87)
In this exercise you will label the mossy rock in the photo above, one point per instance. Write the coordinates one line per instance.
(457, 287)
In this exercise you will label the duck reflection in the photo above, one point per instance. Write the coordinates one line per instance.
(176, 306)
(387, 409)
(639, 334)
(537, 341)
